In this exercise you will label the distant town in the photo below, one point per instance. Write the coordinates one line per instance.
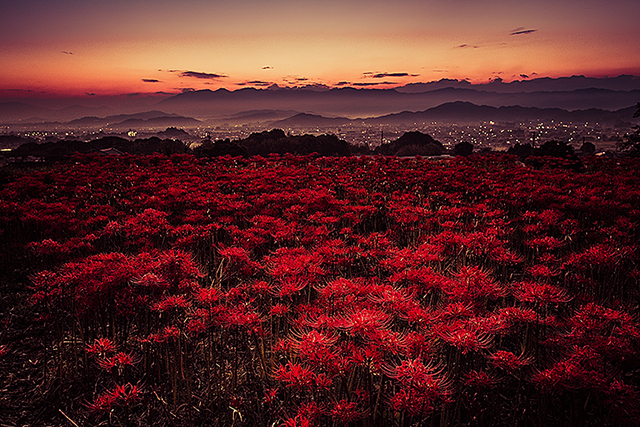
(484, 136)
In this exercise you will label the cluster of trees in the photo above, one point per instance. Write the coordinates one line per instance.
(275, 141)
(61, 150)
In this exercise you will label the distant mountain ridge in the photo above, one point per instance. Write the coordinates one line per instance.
(152, 118)
(467, 112)
(276, 103)
(349, 102)
(622, 82)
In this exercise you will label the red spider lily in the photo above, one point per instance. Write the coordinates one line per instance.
(270, 396)
(463, 336)
(278, 310)
(238, 259)
(507, 361)
(342, 293)
(395, 300)
(582, 369)
(414, 373)
(167, 334)
(297, 421)
(601, 256)
(472, 284)
(294, 263)
(323, 382)
(540, 294)
(179, 269)
(547, 243)
(421, 281)
(514, 315)
(196, 326)
(365, 322)
(294, 375)
(542, 271)
(421, 389)
(47, 248)
(504, 256)
(121, 395)
(310, 411)
(290, 287)
(479, 379)
(418, 345)
(103, 403)
(119, 361)
(396, 259)
(209, 296)
(345, 412)
(456, 311)
(153, 283)
(171, 302)
(595, 318)
(101, 347)
(249, 320)
(315, 347)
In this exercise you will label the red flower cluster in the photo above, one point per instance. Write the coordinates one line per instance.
(346, 291)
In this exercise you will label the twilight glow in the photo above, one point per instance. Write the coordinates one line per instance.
(75, 47)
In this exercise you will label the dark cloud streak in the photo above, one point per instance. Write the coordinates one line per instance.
(374, 83)
(200, 75)
(377, 75)
(522, 30)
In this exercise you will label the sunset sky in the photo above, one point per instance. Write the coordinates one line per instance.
(77, 47)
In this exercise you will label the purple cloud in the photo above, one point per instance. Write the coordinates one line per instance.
(200, 75)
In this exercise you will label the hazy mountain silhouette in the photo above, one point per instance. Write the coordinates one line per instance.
(374, 102)
(305, 120)
(542, 84)
(15, 111)
(148, 118)
(276, 103)
(466, 112)
(255, 116)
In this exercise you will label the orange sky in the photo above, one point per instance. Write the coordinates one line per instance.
(111, 47)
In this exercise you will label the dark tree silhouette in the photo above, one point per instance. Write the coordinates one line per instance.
(588, 148)
(463, 148)
(555, 149)
(631, 145)
(412, 144)
(521, 150)
(219, 148)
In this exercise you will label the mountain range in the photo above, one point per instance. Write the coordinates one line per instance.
(466, 113)
(455, 100)
(148, 119)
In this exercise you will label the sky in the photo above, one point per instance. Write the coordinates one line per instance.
(111, 47)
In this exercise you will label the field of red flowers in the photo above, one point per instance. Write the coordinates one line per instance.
(308, 291)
